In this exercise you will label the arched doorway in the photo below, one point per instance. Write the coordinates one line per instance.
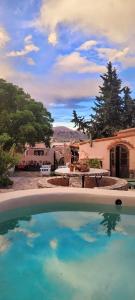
(119, 161)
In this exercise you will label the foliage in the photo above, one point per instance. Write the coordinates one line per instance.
(5, 181)
(94, 163)
(107, 115)
(80, 123)
(12, 224)
(110, 222)
(22, 118)
(5, 141)
(8, 159)
(114, 108)
(128, 109)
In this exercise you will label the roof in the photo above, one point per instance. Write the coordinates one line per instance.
(37, 146)
(122, 133)
(126, 130)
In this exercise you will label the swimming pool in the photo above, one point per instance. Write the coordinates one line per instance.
(86, 252)
(67, 244)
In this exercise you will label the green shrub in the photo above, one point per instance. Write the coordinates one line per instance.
(94, 163)
(5, 181)
(8, 159)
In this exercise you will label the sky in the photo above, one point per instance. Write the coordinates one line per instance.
(57, 49)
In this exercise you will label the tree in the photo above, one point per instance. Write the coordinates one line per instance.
(11, 224)
(128, 109)
(110, 222)
(112, 110)
(22, 118)
(108, 106)
(81, 124)
(8, 159)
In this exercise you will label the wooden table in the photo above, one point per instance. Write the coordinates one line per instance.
(97, 173)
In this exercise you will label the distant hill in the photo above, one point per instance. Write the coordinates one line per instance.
(64, 134)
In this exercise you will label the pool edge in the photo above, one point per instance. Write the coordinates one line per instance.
(21, 198)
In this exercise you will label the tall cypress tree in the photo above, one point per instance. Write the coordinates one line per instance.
(114, 108)
(128, 109)
(80, 123)
(107, 115)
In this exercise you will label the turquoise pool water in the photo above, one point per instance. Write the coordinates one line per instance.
(72, 255)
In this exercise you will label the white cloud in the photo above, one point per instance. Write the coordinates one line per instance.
(6, 69)
(87, 237)
(129, 61)
(28, 39)
(31, 61)
(4, 37)
(87, 45)
(112, 54)
(76, 220)
(52, 88)
(125, 56)
(4, 244)
(54, 244)
(113, 19)
(28, 233)
(74, 62)
(52, 38)
(59, 89)
(27, 49)
(100, 276)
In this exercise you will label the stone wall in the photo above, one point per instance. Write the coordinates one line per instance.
(59, 181)
(109, 183)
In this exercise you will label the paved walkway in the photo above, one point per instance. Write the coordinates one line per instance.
(29, 180)
(23, 181)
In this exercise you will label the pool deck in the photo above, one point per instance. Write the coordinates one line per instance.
(27, 198)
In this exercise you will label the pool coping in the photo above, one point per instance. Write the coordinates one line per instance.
(27, 198)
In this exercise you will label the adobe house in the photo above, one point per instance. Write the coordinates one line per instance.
(68, 151)
(36, 156)
(63, 153)
(116, 153)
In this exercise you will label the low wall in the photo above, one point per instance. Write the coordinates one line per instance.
(110, 183)
(58, 181)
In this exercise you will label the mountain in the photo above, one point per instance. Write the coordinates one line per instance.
(64, 134)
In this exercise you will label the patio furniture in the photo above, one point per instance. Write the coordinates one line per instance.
(97, 173)
(45, 170)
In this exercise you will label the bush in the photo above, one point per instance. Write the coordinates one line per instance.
(8, 159)
(94, 163)
(5, 182)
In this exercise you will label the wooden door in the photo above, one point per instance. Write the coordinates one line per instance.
(124, 162)
(119, 161)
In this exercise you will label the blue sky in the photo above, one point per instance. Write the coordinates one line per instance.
(56, 50)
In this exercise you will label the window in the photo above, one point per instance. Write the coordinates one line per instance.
(39, 152)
